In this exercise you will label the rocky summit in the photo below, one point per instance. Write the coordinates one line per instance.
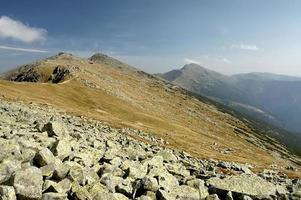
(50, 155)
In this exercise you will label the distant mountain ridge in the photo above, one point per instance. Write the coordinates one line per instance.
(274, 98)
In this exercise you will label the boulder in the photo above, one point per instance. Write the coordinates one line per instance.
(164, 195)
(119, 196)
(54, 196)
(112, 169)
(167, 181)
(9, 149)
(7, 193)
(167, 156)
(65, 185)
(97, 188)
(125, 187)
(212, 197)
(51, 186)
(245, 184)
(185, 192)
(82, 194)
(55, 128)
(200, 186)
(61, 170)
(44, 157)
(150, 184)
(28, 183)
(134, 169)
(7, 168)
(110, 181)
(61, 148)
(77, 174)
(104, 196)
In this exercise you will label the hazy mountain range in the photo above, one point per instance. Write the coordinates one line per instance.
(276, 99)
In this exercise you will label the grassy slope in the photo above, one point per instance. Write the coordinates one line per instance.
(123, 97)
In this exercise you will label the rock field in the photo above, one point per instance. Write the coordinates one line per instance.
(50, 155)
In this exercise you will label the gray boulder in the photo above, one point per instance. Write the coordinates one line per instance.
(7, 168)
(44, 157)
(7, 193)
(212, 197)
(9, 149)
(28, 183)
(61, 148)
(245, 184)
(150, 184)
(54, 196)
(55, 129)
(185, 192)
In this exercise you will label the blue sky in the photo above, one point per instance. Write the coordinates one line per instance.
(231, 36)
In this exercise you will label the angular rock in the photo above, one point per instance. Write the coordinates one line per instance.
(119, 196)
(112, 169)
(134, 169)
(97, 188)
(104, 196)
(167, 156)
(125, 187)
(244, 184)
(55, 129)
(200, 186)
(185, 192)
(9, 149)
(47, 170)
(54, 196)
(150, 184)
(7, 168)
(44, 157)
(65, 185)
(51, 186)
(167, 181)
(77, 174)
(82, 194)
(61, 170)
(7, 193)
(110, 181)
(164, 195)
(61, 148)
(229, 196)
(212, 197)
(28, 183)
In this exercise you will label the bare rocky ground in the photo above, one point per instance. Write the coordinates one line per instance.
(46, 154)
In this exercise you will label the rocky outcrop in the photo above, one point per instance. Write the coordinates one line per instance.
(48, 155)
(28, 76)
(59, 74)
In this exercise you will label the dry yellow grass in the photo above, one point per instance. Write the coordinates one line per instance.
(124, 97)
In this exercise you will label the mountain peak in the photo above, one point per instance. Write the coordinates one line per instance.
(99, 57)
(191, 66)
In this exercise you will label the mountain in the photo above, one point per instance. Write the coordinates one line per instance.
(264, 76)
(272, 98)
(122, 96)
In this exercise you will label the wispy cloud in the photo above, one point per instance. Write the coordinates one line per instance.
(23, 49)
(226, 60)
(10, 28)
(188, 60)
(245, 47)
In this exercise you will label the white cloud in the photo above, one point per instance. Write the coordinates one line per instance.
(246, 47)
(10, 28)
(226, 60)
(191, 61)
(23, 49)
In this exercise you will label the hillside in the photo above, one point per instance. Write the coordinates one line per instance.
(105, 89)
(263, 96)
